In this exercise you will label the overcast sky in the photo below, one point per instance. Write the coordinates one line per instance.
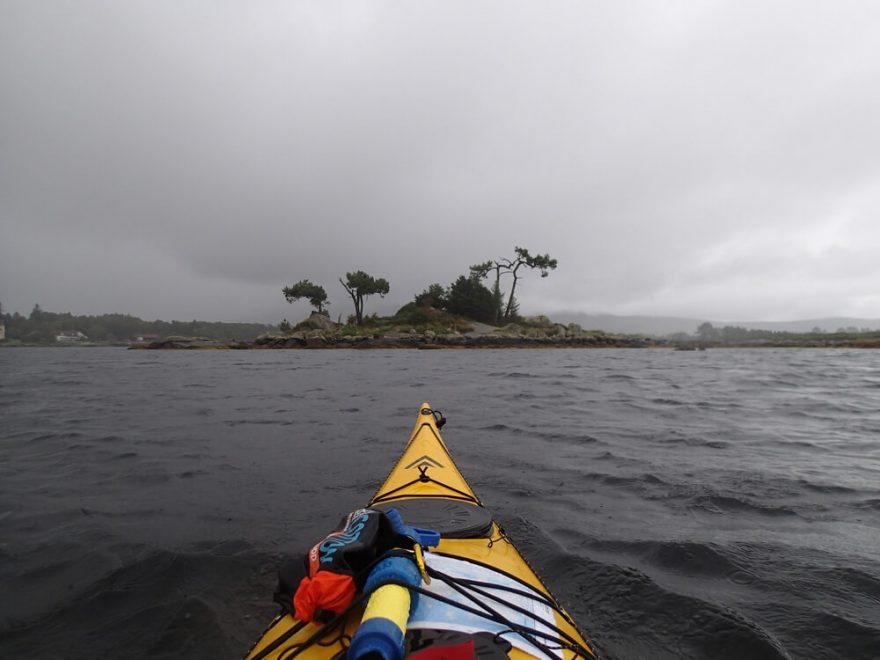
(186, 160)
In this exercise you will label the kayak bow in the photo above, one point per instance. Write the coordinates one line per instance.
(471, 595)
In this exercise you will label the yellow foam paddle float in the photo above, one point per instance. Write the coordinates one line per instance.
(470, 594)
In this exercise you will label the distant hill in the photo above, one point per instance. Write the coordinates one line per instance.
(831, 324)
(667, 325)
(43, 327)
(648, 325)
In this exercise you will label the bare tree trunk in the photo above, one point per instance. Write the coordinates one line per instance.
(358, 301)
(496, 293)
(512, 289)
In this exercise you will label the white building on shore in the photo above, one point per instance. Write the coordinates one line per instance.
(70, 336)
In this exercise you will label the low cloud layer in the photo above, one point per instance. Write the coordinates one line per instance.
(716, 160)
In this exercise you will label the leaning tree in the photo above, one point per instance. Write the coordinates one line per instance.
(359, 285)
(316, 295)
(511, 266)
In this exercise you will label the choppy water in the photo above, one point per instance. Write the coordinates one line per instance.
(719, 504)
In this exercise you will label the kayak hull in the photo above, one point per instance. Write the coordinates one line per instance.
(426, 487)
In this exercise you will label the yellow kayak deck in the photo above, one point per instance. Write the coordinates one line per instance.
(429, 491)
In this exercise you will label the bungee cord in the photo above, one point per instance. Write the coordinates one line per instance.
(471, 590)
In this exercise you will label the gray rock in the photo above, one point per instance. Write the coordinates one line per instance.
(318, 321)
(510, 330)
(540, 319)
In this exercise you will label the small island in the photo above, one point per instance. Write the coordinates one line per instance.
(405, 330)
(465, 314)
(474, 311)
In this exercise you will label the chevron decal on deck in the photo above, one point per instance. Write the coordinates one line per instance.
(423, 462)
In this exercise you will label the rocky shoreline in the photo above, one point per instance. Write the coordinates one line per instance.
(419, 341)
(423, 342)
(319, 332)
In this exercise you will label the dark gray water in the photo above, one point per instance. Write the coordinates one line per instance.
(719, 504)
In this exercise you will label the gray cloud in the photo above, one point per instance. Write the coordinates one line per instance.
(179, 160)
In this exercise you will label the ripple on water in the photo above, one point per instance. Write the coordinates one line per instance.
(724, 506)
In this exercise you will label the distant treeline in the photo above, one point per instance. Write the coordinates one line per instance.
(738, 335)
(43, 327)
